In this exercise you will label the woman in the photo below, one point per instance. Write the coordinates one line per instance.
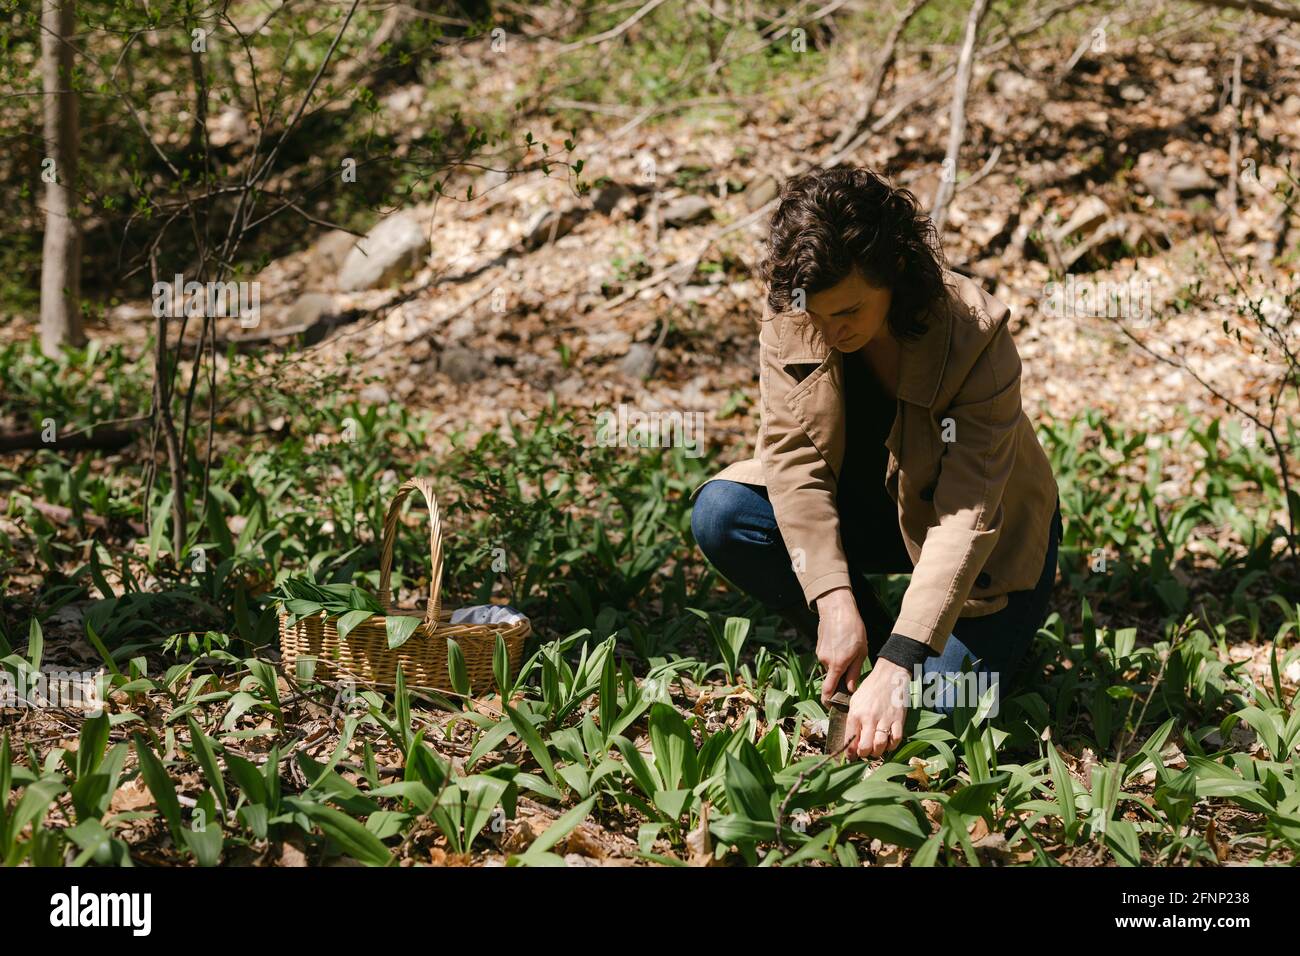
(892, 440)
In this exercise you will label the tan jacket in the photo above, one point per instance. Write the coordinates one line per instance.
(975, 492)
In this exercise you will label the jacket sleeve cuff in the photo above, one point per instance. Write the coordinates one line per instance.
(829, 581)
(905, 652)
(922, 633)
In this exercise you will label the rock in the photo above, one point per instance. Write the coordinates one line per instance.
(613, 198)
(639, 362)
(375, 394)
(1087, 216)
(332, 248)
(1092, 236)
(1173, 184)
(547, 225)
(1291, 105)
(291, 855)
(569, 387)
(761, 192)
(390, 252)
(1132, 93)
(1103, 244)
(1012, 85)
(688, 209)
(463, 365)
(308, 308)
(1188, 180)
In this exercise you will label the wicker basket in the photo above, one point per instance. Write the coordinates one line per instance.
(364, 655)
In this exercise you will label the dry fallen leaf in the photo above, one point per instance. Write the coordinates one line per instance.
(132, 795)
(520, 835)
(585, 841)
(918, 772)
(291, 855)
(933, 810)
(699, 844)
(1212, 838)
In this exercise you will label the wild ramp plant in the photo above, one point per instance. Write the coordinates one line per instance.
(1124, 538)
(547, 743)
(602, 739)
(555, 741)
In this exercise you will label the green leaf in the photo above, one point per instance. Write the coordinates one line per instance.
(35, 644)
(348, 621)
(1063, 785)
(206, 757)
(608, 696)
(205, 844)
(402, 709)
(351, 835)
(247, 778)
(672, 803)
(1122, 841)
(745, 792)
(265, 675)
(90, 749)
(240, 703)
(482, 794)
(529, 735)
(501, 668)
(638, 767)
(99, 647)
(889, 822)
(36, 799)
(160, 785)
(674, 748)
(399, 629)
(158, 527)
(92, 838)
(456, 668)
(489, 741)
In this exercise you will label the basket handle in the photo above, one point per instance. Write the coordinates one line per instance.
(391, 521)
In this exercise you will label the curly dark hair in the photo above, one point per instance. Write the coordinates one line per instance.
(831, 221)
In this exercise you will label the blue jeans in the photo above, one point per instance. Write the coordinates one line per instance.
(736, 529)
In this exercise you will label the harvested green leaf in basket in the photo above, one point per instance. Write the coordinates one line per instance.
(334, 631)
(349, 605)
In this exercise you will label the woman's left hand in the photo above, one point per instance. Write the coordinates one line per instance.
(877, 711)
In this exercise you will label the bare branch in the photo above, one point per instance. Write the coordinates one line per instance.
(957, 121)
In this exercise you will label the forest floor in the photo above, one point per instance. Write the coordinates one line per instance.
(1128, 172)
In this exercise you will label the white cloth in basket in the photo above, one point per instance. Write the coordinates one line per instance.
(487, 614)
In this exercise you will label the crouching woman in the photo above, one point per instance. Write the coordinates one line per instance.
(892, 441)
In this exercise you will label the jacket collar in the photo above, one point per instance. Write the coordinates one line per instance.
(921, 361)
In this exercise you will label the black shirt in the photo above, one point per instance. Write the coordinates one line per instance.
(869, 528)
(868, 515)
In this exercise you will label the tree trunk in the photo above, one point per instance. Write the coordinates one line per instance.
(61, 258)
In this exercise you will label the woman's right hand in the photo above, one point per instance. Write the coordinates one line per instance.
(841, 640)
